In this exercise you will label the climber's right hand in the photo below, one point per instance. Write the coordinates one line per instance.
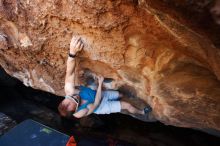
(76, 45)
(100, 79)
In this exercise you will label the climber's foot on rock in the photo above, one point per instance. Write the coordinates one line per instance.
(147, 110)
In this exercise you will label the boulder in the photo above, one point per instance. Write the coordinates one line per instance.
(158, 52)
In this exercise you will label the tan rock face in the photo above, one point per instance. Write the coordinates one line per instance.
(148, 51)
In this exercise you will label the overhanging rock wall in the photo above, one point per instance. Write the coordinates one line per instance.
(153, 53)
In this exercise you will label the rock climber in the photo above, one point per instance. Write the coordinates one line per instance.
(84, 101)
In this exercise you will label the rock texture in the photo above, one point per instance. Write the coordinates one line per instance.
(6, 123)
(159, 52)
(215, 10)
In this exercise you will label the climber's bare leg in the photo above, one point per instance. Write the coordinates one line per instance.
(75, 46)
(130, 108)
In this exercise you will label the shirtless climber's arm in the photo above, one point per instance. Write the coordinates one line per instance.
(75, 46)
(98, 97)
(81, 113)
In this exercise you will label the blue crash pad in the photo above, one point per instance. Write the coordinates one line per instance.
(31, 133)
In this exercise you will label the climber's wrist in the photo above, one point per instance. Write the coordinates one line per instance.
(72, 55)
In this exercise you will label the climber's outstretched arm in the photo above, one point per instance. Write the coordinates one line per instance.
(76, 46)
(98, 97)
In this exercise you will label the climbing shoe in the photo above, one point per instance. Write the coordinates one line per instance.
(147, 109)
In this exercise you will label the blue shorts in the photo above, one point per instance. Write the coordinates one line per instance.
(109, 103)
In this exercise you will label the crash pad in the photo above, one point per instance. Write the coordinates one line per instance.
(32, 133)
